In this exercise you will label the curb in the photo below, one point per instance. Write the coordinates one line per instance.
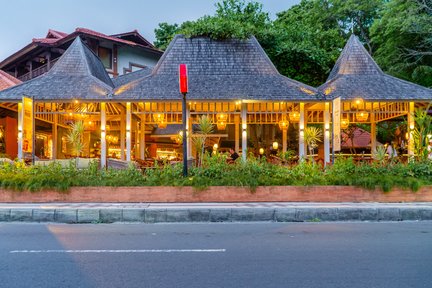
(176, 215)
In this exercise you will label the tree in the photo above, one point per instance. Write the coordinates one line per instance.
(75, 137)
(312, 135)
(303, 42)
(403, 36)
(315, 31)
(233, 19)
(205, 128)
(164, 34)
(358, 16)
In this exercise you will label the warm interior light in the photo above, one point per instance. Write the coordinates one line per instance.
(221, 121)
(344, 123)
(283, 123)
(275, 145)
(362, 116)
(244, 126)
(294, 116)
(159, 118)
(215, 146)
(261, 151)
(162, 125)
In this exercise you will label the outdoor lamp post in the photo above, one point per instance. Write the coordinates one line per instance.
(183, 84)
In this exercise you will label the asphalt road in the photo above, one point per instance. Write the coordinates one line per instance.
(397, 254)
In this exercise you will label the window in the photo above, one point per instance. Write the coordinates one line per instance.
(105, 54)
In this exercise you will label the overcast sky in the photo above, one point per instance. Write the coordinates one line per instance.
(22, 20)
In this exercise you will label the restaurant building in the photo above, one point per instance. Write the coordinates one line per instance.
(234, 82)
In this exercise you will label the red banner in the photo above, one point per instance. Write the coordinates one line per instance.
(183, 78)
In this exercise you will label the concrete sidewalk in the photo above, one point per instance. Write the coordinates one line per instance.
(212, 212)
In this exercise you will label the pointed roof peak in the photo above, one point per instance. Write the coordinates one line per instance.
(79, 60)
(55, 34)
(354, 60)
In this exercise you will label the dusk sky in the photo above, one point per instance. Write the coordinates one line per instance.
(23, 20)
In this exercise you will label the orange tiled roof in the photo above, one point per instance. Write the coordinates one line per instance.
(7, 80)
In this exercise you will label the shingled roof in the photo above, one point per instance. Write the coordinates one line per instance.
(78, 74)
(7, 80)
(218, 70)
(356, 75)
(129, 77)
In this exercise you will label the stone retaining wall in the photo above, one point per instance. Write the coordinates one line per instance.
(166, 194)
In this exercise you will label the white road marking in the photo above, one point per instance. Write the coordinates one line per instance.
(124, 251)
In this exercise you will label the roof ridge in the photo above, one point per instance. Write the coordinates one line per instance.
(164, 55)
(81, 47)
(354, 59)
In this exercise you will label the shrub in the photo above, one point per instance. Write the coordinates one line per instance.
(215, 171)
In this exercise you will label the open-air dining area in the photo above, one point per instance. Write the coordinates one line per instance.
(252, 108)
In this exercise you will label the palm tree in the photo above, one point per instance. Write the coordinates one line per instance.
(75, 137)
(205, 128)
(312, 135)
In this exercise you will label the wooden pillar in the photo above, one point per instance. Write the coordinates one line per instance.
(20, 129)
(284, 139)
(244, 130)
(411, 126)
(103, 159)
(326, 133)
(31, 69)
(373, 133)
(54, 137)
(122, 135)
(128, 131)
(142, 137)
(48, 61)
(302, 125)
(237, 133)
(137, 140)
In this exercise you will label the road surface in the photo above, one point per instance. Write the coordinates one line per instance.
(393, 254)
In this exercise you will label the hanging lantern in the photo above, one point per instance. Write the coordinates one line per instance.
(294, 116)
(162, 125)
(283, 123)
(90, 125)
(159, 118)
(362, 116)
(344, 123)
(221, 121)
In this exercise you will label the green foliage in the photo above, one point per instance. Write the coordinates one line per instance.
(304, 41)
(403, 36)
(233, 19)
(75, 137)
(205, 128)
(215, 171)
(312, 135)
(422, 131)
(164, 34)
(380, 154)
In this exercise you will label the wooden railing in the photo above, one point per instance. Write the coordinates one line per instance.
(37, 72)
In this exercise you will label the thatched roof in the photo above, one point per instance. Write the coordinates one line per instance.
(357, 75)
(78, 74)
(217, 70)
